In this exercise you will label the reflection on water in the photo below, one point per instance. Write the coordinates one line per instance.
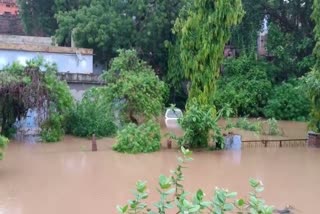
(67, 178)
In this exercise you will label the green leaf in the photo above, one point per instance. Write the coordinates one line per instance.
(228, 207)
(194, 208)
(259, 189)
(164, 182)
(240, 202)
(200, 195)
(254, 183)
(141, 186)
(231, 195)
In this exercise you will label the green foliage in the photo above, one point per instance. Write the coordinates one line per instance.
(244, 86)
(313, 78)
(244, 123)
(138, 139)
(174, 195)
(244, 36)
(37, 17)
(273, 128)
(51, 129)
(133, 88)
(3, 144)
(288, 101)
(291, 53)
(313, 89)
(91, 116)
(201, 48)
(107, 26)
(34, 86)
(200, 126)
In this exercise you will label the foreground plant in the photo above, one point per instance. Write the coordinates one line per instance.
(173, 195)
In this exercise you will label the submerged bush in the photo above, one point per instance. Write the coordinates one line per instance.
(3, 143)
(200, 125)
(245, 124)
(52, 129)
(91, 116)
(138, 139)
(273, 127)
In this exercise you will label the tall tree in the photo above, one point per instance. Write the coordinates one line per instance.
(203, 35)
(313, 78)
(108, 26)
(38, 17)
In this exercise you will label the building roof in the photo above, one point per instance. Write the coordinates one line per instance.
(42, 48)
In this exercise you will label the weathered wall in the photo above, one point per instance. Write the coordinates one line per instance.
(66, 62)
(26, 40)
(77, 90)
(10, 24)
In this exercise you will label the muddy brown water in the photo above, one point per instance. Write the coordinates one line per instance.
(67, 178)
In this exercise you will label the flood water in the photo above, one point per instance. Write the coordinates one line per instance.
(68, 178)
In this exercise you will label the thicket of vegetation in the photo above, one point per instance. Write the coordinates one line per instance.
(34, 86)
(138, 138)
(167, 35)
(91, 115)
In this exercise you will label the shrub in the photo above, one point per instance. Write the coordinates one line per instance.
(200, 125)
(244, 123)
(174, 195)
(3, 143)
(273, 128)
(52, 129)
(288, 101)
(91, 116)
(138, 139)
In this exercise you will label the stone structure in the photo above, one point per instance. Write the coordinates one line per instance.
(10, 22)
(314, 139)
(79, 83)
(262, 44)
(27, 40)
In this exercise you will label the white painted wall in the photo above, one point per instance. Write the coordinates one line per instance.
(65, 62)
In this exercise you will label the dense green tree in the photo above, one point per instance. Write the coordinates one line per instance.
(133, 88)
(201, 48)
(108, 26)
(245, 86)
(244, 36)
(38, 17)
(313, 78)
(288, 101)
